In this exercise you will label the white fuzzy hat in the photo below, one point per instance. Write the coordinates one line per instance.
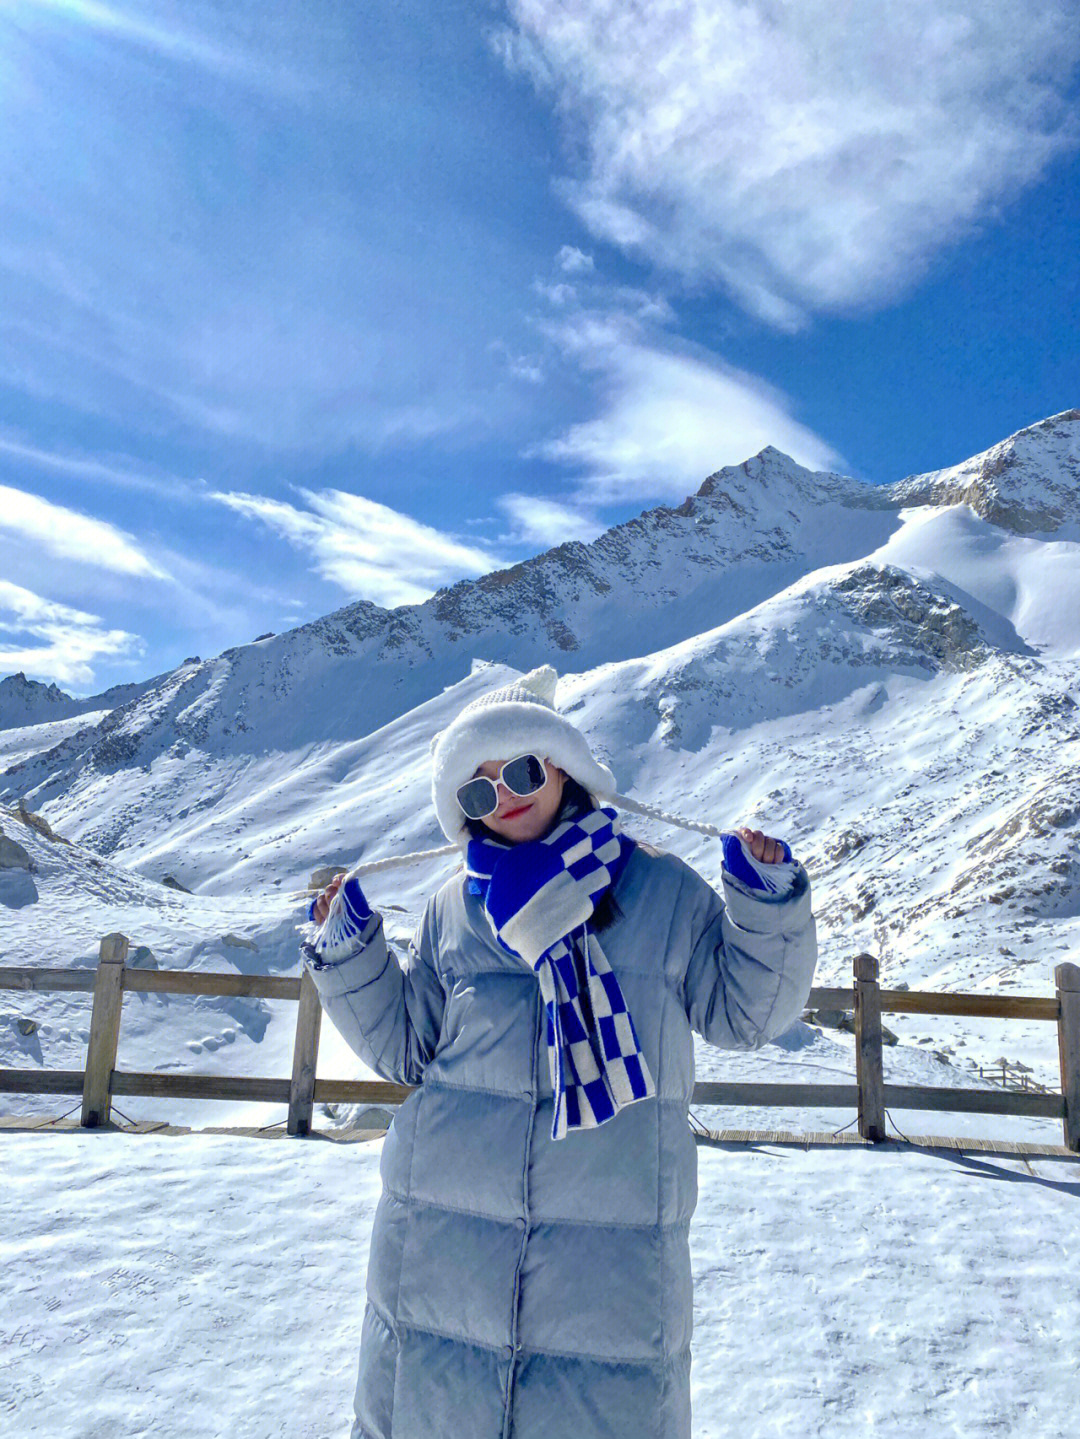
(519, 718)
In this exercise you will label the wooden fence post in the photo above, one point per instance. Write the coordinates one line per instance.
(869, 1066)
(1067, 979)
(305, 1057)
(104, 1031)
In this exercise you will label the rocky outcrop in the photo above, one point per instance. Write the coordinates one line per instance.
(39, 823)
(237, 941)
(1029, 483)
(12, 854)
(926, 630)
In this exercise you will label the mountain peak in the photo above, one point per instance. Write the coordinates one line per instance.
(770, 452)
(768, 461)
(772, 472)
(1028, 483)
(24, 701)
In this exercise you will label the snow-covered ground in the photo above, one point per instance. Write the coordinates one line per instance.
(207, 1286)
(20, 743)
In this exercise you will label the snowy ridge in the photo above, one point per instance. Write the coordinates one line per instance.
(1029, 483)
(678, 569)
(26, 702)
(749, 531)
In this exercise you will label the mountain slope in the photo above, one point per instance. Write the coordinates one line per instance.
(748, 532)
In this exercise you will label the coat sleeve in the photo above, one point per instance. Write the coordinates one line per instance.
(751, 963)
(389, 1013)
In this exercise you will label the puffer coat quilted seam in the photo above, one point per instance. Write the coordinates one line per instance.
(512, 1378)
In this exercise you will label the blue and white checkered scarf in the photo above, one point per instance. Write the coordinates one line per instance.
(539, 896)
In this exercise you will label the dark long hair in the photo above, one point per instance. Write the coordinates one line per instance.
(576, 801)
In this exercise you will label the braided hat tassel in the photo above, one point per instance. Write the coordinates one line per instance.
(621, 801)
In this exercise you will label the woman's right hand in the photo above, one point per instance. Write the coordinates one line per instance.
(321, 908)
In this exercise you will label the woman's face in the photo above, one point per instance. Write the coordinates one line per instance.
(518, 818)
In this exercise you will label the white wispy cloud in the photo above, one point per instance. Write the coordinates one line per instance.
(68, 535)
(120, 473)
(542, 521)
(232, 57)
(809, 156)
(573, 261)
(668, 416)
(370, 550)
(52, 641)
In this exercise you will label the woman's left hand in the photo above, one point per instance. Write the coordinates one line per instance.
(761, 846)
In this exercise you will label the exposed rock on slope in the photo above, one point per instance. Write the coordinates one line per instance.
(1030, 483)
(812, 644)
(927, 630)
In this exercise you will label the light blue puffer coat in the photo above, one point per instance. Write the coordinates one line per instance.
(520, 1287)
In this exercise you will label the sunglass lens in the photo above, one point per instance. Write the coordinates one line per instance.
(478, 797)
(525, 775)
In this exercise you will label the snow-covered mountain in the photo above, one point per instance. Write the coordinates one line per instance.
(672, 572)
(36, 717)
(887, 676)
(748, 531)
(1030, 483)
(29, 702)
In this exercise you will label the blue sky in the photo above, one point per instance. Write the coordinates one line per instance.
(302, 303)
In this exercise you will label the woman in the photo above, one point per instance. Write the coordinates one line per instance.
(529, 1274)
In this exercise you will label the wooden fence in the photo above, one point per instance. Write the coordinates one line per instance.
(100, 1082)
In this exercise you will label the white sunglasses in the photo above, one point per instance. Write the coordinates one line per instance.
(523, 776)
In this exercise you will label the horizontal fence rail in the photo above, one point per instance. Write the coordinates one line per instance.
(156, 981)
(100, 1081)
